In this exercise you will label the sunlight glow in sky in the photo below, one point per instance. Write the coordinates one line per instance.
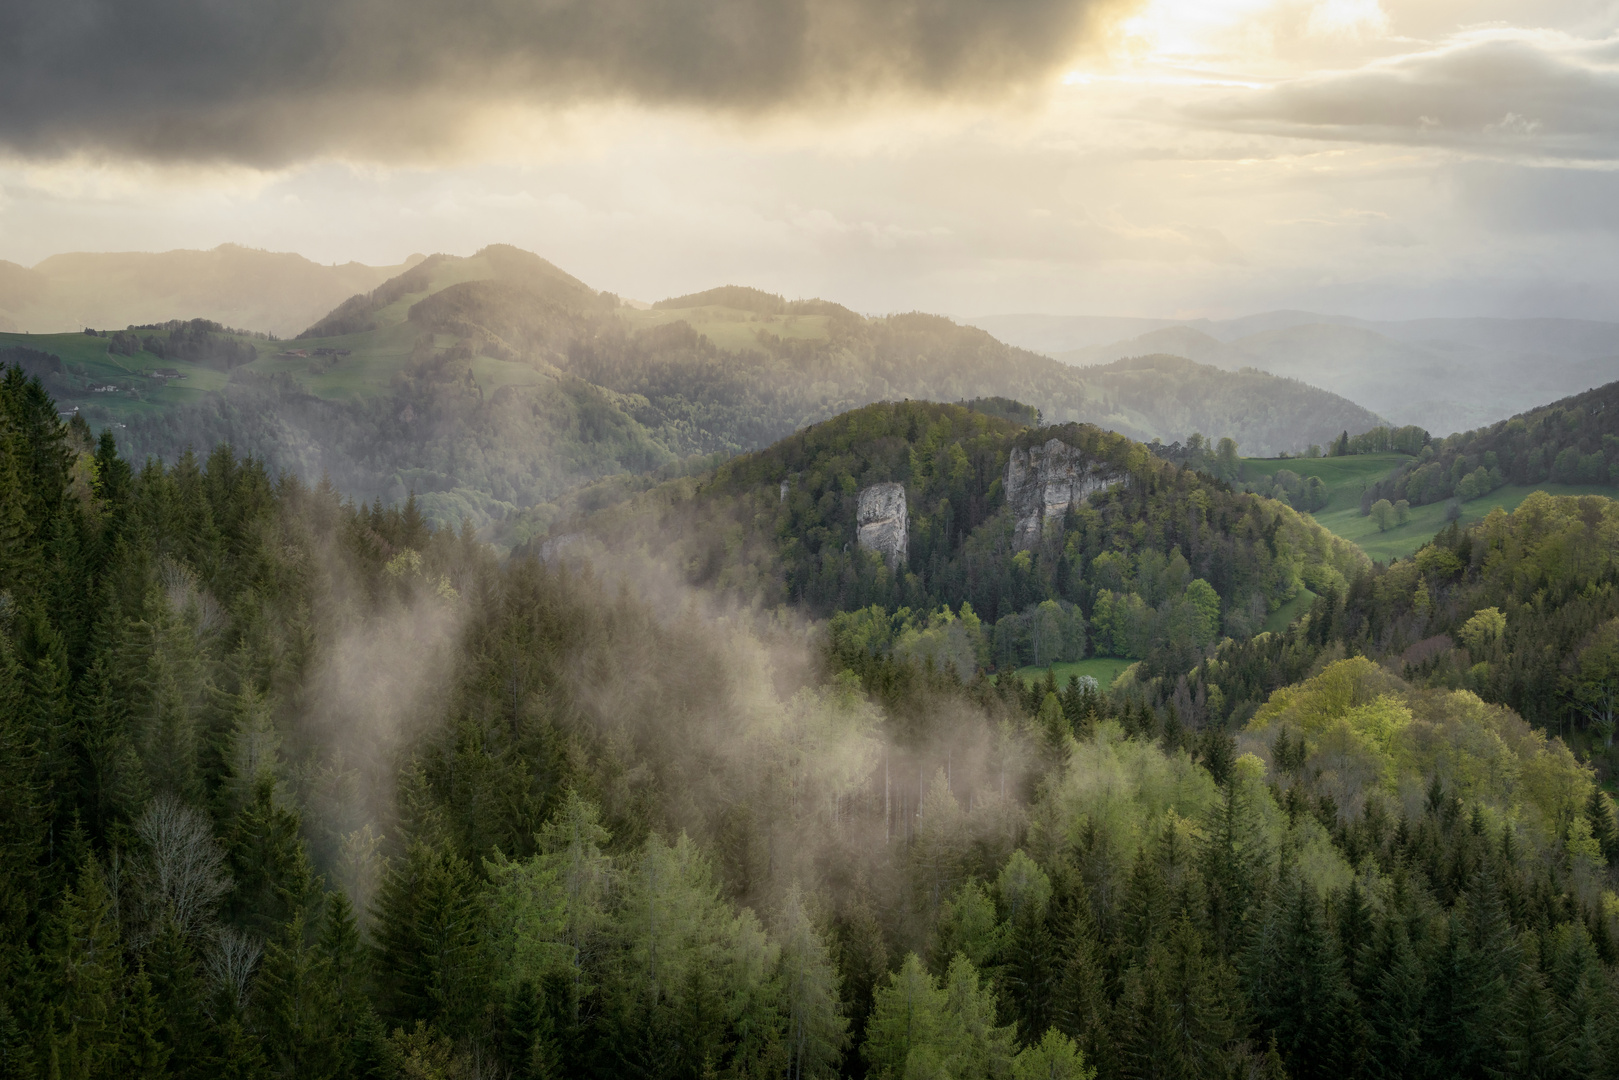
(1399, 158)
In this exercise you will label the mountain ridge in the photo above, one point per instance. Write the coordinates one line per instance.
(1444, 374)
(492, 384)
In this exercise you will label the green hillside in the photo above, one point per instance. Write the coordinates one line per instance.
(1574, 441)
(1348, 479)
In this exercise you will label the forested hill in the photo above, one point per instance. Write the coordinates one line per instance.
(744, 367)
(1521, 609)
(1572, 441)
(294, 788)
(1150, 560)
(492, 384)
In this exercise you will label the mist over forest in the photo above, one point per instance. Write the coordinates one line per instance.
(929, 739)
(1057, 540)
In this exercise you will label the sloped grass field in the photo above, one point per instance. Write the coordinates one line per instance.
(1104, 669)
(87, 364)
(1401, 541)
(1345, 477)
(1348, 477)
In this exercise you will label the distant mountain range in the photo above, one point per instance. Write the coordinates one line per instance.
(275, 292)
(495, 383)
(1443, 374)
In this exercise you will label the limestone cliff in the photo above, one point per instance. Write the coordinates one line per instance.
(884, 526)
(1043, 481)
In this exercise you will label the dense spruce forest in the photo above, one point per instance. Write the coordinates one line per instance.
(301, 787)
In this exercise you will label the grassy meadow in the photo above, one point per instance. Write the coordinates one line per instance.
(1347, 477)
(1104, 669)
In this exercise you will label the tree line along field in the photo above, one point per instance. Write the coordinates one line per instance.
(1348, 478)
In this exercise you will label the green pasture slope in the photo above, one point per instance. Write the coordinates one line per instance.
(1347, 477)
(88, 368)
(1104, 669)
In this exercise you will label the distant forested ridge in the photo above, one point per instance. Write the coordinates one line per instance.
(1572, 441)
(493, 385)
(293, 787)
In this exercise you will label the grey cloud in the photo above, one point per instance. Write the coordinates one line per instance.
(267, 81)
(1520, 94)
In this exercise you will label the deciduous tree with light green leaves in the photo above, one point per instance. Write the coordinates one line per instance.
(922, 1028)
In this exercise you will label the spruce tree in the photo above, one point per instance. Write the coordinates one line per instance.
(110, 783)
(360, 1031)
(429, 933)
(1599, 812)
(1528, 1037)
(181, 996)
(274, 882)
(1393, 1004)
(144, 1051)
(817, 1032)
(296, 1008)
(1299, 991)
(1234, 862)
(83, 959)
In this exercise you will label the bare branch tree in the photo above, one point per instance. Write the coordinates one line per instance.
(231, 963)
(182, 874)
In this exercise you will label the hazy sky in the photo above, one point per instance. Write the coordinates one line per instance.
(1166, 157)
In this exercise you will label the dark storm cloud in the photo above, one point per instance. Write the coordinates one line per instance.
(265, 81)
(1503, 94)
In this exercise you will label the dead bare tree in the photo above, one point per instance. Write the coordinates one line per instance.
(182, 871)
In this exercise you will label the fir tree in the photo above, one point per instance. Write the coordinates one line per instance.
(1298, 988)
(83, 957)
(297, 1009)
(274, 883)
(429, 931)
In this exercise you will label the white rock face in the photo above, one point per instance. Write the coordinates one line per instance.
(552, 549)
(1043, 481)
(884, 526)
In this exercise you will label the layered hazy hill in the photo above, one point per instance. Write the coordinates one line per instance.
(506, 304)
(275, 292)
(1442, 374)
(495, 383)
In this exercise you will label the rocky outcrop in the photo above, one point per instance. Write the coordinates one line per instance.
(552, 549)
(884, 526)
(1043, 481)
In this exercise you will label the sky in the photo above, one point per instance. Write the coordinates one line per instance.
(1171, 158)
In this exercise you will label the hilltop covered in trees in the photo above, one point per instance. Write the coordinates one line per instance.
(1158, 565)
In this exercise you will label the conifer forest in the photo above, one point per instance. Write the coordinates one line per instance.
(295, 786)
